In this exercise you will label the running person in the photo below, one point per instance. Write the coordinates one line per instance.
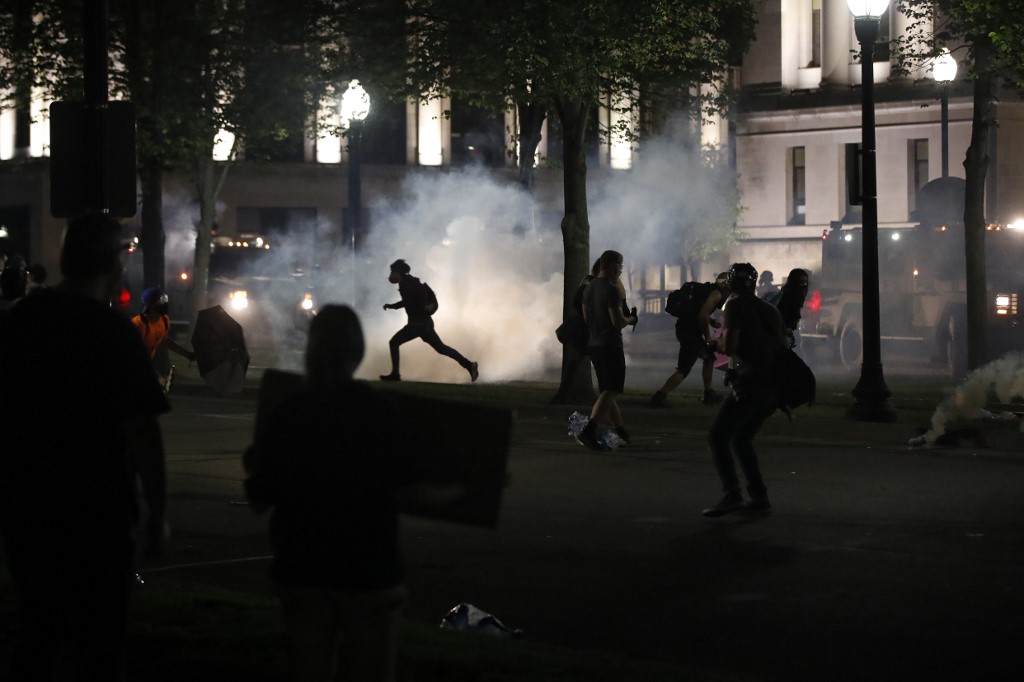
(420, 303)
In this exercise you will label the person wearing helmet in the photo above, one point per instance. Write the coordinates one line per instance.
(154, 324)
(752, 338)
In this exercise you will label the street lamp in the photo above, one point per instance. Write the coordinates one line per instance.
(355, 105)
(871, 395)
(944, 72)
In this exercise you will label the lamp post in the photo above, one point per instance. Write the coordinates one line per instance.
(355, 105)
(871, 395)
(944, 72)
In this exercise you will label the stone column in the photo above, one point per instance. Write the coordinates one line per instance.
(836, 21)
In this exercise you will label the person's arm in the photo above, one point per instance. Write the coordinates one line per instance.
(173, 345)
(704, 324)
(394, 306)
(618, 319)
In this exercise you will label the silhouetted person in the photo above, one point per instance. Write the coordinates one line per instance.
(752, 339)
(332, 469)
(790, 302)
(694, 331)
(420, 303)
(36, 277)
(602, 310)
(766, 286)
(67, 498)
(13, 280)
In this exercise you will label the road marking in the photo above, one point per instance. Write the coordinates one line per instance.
(202, 564)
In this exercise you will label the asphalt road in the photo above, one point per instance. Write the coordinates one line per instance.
(879, 561)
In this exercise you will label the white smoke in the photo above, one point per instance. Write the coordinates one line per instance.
(1002, 378)
(499, 284)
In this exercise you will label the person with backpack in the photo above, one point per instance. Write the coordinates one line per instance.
(753, 339)
(420, 303)
(693, 304)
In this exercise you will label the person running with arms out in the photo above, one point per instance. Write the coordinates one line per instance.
(420, 303)
(752, 339)
(602, 310)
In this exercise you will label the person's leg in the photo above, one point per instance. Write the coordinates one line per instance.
(434, 341)
(369, 644)
(151, 469)
(403, 335)
(720, 436)
(759, 406)
(314, 631)
(42, 597)
(684, 364)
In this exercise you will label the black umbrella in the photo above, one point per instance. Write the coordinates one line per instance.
(219, 344)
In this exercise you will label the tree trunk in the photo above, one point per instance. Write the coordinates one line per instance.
(207, 189)
(531, 120)
(576, 385)
(975, 168)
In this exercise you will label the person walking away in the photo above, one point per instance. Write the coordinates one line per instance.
(420, 303)
(790, 303)
(602, 310)
(66, 489)
(695, 329)
(332, 468)
(752, 338)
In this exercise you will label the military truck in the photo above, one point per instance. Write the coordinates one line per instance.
(922, 290)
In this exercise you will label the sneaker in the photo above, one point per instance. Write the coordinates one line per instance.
(711, 398)
(622, 433)
(732, 502)
(758, 505)
(658, 399)
(473, 371)
(588, 437)
(394, 376)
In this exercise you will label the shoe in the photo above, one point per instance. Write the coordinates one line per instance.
(622, 433)
(473, 371)
(732, 502)
(711, 398)
(394, 376)
(588, 437)
(658, 399)
(758, 505)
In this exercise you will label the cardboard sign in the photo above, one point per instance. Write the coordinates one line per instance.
(454, 443)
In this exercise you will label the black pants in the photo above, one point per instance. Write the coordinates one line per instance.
(425, 331)
(732, 433)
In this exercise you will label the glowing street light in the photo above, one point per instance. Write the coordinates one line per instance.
(355, 106)
(871, 395)
(944, 73)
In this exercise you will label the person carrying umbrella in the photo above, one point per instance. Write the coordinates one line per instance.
(154, 323)
(420, 303)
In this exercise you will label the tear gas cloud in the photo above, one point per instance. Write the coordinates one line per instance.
(1002, 378)
(499, 285)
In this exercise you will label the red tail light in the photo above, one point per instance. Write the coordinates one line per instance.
(814, 304)
(124, 297)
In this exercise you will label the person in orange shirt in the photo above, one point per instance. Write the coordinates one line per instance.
(155, 324)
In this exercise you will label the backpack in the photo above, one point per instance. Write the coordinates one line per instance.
(794, 380)
(427, 296)
(687, 300)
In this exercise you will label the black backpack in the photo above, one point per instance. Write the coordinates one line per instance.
(427, 296)
(688, 299)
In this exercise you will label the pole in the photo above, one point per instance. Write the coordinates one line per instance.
(945, 130)
(94, 16)
(871, 395)
(355, 207)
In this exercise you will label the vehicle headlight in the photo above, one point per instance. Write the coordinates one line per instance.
(1006, 304)
(239, 300)
(307, 302)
